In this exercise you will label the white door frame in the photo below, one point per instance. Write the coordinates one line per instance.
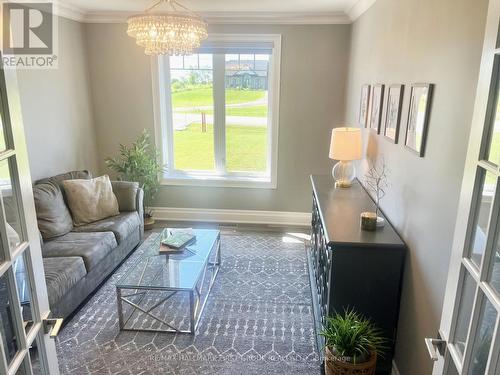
(460, 263)
(29, 248)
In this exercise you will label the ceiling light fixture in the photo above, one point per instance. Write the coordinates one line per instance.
(176, 32)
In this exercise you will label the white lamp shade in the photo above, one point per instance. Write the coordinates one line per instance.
(346, 144)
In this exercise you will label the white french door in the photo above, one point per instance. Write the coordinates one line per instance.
(25, 345)
(469, 334)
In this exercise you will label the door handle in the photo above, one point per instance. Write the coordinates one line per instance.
(435, 347)
(52, 327)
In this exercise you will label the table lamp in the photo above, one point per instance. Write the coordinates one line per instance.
(345, 146)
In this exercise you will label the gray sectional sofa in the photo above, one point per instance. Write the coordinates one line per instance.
(78, 259)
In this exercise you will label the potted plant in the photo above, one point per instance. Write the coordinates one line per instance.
(140, 163)
(352, 344)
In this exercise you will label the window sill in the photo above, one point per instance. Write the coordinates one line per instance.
(214, 181)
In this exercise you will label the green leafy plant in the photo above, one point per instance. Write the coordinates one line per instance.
(350, 335)
(139, 162)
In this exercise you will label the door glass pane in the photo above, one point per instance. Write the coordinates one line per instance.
(34, 360)
(23, 291)
(246, 81)
(3, 143)
(483, 209)
(7, 328)
(464, 311)
(497, 367)
(22, 369)
(495, 270)
(493, 148)
(193, 112)
(11, 207)
(482, 341)
(494, 143)
(452, 370)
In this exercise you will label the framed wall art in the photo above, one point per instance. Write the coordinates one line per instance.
(376, 103)
(418, 117)
(364, 105)
(393, 112)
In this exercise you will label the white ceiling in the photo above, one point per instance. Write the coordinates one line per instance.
(288, 11)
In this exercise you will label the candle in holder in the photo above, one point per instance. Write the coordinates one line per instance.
(368, 221)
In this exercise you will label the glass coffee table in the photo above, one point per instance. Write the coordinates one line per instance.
(144, 291)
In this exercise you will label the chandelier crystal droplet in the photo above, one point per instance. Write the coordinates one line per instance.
(177, 32)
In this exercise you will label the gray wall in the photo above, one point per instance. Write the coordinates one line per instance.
(405, 41)
(57, 111)
(313, 79)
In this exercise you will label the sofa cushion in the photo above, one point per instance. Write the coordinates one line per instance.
(121, 225)
(92, 247)
(61, 274)
(91, 200)
(52, 213)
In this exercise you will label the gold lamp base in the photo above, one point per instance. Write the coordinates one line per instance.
(343, 184)
(344, 174)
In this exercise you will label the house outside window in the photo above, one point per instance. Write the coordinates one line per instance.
(216, 112)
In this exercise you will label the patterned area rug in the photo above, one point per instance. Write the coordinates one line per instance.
(258, 320)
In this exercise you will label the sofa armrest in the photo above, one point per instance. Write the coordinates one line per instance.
(126, 194)
(130, 198)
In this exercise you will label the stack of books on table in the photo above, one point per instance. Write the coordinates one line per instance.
(175, 240)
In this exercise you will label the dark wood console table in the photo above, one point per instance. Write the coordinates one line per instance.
(352, 268)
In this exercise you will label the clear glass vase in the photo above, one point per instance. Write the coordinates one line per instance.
(344, 173)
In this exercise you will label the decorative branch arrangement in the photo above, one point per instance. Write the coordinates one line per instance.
(376, 182)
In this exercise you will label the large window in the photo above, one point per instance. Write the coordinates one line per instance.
(217, 112)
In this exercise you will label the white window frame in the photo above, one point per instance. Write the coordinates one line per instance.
(164, 122)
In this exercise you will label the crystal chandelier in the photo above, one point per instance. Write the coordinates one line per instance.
(176, 32)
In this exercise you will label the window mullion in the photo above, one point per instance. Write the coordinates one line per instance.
(219, 113)
(166, 97)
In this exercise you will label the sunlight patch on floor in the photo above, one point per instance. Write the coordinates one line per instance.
(296, 238)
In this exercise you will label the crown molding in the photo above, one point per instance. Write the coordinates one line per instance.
(289, 18)
(69, 11)
(358, 8)
(278, 18)
(286, 18)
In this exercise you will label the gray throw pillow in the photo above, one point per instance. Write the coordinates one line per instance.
(54, 218)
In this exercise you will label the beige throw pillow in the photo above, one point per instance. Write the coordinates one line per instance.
(91, 200)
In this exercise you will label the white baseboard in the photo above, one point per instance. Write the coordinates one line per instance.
(232, 216)
(395, 370)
